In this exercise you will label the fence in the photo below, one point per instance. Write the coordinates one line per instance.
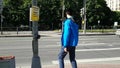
(16, 30)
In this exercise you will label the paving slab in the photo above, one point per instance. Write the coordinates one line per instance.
(80, 65)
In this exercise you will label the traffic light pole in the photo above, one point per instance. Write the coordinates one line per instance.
(35, 59)
(84, 28)
(1, 24)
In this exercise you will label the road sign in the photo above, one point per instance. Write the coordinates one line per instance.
(34, 13)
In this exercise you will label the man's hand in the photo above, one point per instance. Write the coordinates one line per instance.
(65, 49)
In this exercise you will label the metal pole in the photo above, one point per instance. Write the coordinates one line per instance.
(63, 9)
(1, 24)
(1, 8)
(30, 25)
(35, 59)
(82, 15)
(84, 29)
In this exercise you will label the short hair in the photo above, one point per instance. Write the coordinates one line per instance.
(69, 11)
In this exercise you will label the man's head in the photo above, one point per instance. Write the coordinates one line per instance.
(69, 13)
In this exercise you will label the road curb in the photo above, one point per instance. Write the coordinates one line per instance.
(96, 34)
(21, 35)
(55, 35)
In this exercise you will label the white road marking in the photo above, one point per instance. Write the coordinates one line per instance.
(104, 49)
(91, 44)
(23, 66)
(87, 44)
(92, 60)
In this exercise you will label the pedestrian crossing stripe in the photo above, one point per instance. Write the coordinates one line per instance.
(92, 60)
(102, 49)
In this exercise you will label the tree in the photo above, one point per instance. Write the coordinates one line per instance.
(76, 5)
(49, 14)
(116, 17)
(16, 12)
(98, 10)
(10, 13)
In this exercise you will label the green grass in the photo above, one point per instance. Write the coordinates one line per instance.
(99, 30)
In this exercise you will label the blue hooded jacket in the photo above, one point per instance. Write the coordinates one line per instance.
(70, 33)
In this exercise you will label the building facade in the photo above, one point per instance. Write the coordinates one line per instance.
(114, 5)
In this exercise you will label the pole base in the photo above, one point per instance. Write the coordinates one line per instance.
(36, 62)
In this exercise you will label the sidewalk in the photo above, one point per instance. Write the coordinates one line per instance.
(90, 66)
(80, 65)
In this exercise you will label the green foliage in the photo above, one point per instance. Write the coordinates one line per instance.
(49, 13)
(16, 13)
(98, 10)
(76, 5)
(116, 17)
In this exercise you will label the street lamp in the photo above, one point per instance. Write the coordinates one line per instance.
(35, 17)
(84, 28)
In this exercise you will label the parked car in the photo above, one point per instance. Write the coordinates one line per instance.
(117, 32)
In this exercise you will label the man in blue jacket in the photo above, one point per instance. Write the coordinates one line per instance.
(69, 40)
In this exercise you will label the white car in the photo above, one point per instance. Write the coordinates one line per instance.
(117, 32)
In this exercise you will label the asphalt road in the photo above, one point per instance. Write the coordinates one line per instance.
(91, 49)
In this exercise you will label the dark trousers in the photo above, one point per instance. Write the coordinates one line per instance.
(62, 54)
